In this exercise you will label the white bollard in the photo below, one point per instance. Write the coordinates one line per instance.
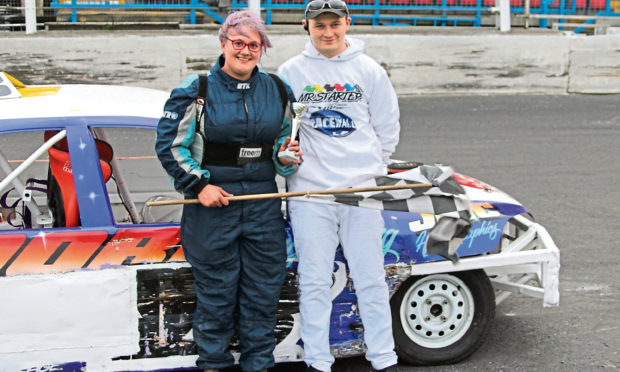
(504, 14)
(254, 6)
(30, 8)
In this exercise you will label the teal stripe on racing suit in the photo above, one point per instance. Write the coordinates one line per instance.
(176, 134)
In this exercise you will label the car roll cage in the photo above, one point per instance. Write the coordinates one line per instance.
(43, 219)
(12, 178)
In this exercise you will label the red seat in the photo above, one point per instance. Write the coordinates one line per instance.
(64, 206)
(598, 4)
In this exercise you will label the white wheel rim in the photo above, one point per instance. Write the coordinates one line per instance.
(437, 311)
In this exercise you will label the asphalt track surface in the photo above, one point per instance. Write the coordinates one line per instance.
(559, 156)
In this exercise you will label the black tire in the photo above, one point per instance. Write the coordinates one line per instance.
(445, 319)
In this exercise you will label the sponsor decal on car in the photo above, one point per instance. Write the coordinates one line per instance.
(62, 251)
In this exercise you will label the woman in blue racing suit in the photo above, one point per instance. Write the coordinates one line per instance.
(220, 146)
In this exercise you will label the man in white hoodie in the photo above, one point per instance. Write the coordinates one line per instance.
(347, 135)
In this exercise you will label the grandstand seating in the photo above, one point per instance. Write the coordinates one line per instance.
(377, 12)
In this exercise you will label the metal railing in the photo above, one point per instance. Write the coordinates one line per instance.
(191, 6)
(12, 14)
(562, 9)
(395, 12)
(374, 12)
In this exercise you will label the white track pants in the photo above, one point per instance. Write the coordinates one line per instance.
(318, 228)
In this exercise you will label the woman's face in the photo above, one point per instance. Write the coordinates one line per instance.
(239, 59)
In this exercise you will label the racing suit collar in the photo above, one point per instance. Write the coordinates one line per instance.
(230, 82)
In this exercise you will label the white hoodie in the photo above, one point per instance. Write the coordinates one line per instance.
(351, 126)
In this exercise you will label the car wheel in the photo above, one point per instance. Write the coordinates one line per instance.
(442, 318)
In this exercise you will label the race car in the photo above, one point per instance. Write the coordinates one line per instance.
(93, 276)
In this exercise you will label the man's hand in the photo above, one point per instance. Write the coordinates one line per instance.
(213, 196)
(291, 146)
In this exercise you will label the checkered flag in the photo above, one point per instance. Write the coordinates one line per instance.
(438, 194)
(445, 199)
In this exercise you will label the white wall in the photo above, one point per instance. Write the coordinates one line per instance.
(479, 63)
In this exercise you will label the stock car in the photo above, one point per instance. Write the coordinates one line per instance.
(92, 277)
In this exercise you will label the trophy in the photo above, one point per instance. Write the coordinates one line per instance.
(288, 155)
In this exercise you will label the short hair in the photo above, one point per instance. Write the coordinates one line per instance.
(248, 19)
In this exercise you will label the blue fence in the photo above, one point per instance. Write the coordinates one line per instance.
(375, 12)
(191, 6)
(395, 12)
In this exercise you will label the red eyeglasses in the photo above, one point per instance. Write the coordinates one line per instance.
(238, 44)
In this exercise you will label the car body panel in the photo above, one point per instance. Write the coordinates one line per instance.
(144, 262)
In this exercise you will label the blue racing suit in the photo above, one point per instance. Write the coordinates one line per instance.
(237, 253)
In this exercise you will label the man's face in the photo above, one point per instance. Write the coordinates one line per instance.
(239, 63)
(327, 33)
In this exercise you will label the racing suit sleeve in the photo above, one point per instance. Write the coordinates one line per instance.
(285, 131)
(177, 139)
(384, 113)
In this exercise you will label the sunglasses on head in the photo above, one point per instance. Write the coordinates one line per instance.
(322, 4)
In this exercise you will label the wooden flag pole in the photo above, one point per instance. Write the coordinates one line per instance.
(297, 193)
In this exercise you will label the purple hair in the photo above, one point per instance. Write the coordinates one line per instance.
(248, 19)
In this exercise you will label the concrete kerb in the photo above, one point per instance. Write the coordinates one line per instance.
(419, 60)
